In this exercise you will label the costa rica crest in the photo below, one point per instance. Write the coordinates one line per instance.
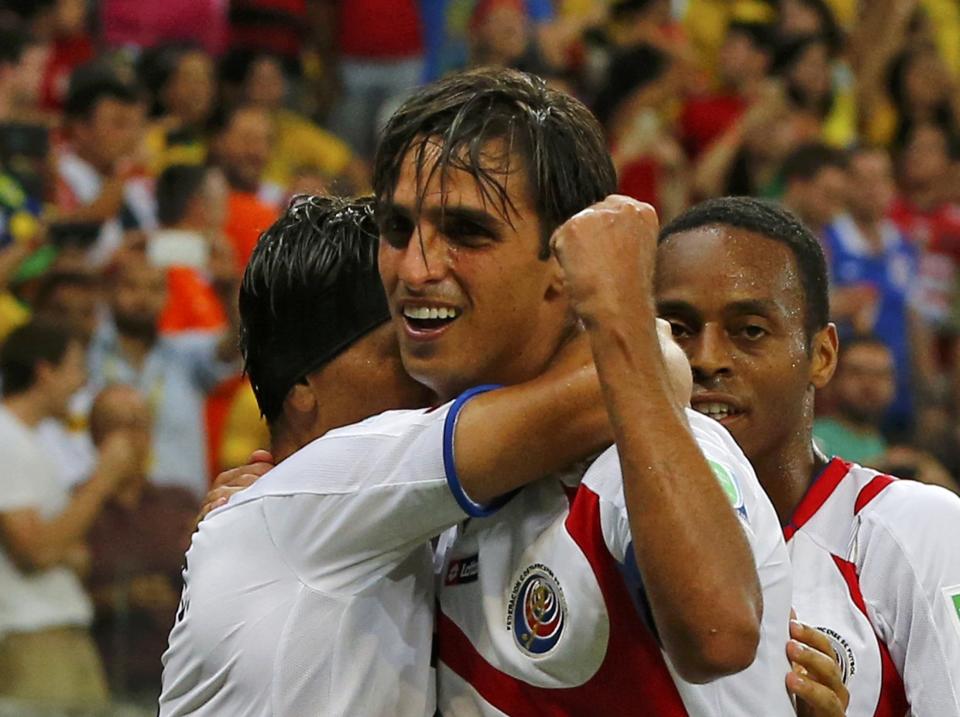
(537, 611)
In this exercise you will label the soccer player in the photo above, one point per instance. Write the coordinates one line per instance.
(611, 595)
(312, 592)
(877, 569)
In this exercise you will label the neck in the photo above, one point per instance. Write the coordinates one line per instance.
(788, 470)
(27, 407)
(90, 159)
(869, 226)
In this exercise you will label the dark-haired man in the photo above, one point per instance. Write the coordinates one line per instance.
(98, 176)
(333, 610)
(745, 287)
(46, 654)
(815, 184)
(579, 593)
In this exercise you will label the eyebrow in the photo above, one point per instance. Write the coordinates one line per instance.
(761, 307)
(444, 214)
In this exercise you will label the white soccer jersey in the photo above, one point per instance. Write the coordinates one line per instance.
(542, 611)
(312, 592)
(877, 564)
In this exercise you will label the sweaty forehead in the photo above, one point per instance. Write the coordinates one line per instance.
(714, 266)
(481, 180)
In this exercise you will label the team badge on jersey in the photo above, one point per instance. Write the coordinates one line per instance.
(952, 596)
(842, 653)
(730, 486)
(537, 610)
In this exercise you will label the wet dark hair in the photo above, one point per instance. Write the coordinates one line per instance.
(808, 160)
(310, 290)
(558, 141)
(176, 186)
(773, 222)
(25, 347)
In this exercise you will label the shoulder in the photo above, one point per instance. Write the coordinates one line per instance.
(918, 517)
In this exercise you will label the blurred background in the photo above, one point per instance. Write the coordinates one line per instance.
(144, 146)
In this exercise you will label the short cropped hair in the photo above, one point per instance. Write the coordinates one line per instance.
(176, 186)
(808, 160)
(310, 290)
(25, 347)
(773, 222)
(559, 142)
(92, 83)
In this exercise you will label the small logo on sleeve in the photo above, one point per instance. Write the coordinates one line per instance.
(952, 596)
(463, 571)
(730, 487)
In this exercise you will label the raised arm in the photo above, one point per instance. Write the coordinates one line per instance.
(693, 555)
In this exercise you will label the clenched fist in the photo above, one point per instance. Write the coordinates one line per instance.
(608, 253)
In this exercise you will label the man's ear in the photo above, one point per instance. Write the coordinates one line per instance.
(555, 282)
(302, 399)
(823, 350)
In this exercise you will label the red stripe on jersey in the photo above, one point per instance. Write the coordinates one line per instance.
(817, 494)
(870, 491)
(632, 681)
(893, 698)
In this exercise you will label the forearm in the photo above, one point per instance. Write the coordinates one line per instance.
(56, 537)
(712, 169)
(693, 555)
(106, 206)
(515, 435)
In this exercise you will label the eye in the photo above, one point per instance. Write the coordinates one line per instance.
(679, 329)
(466, 233)
(396, 230)
(753, 332)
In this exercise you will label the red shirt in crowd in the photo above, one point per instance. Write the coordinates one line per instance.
(703, 119)
(379, 29)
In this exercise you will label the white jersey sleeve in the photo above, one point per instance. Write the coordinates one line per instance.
(910, 576)
(345, 509)
(760, 688)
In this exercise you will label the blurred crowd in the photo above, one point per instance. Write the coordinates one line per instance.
(145, 146)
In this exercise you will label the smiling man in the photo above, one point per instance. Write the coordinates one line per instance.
(744, 285)
(576, 588)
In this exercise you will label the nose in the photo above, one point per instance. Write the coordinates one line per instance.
(424, 258)
(710, 354)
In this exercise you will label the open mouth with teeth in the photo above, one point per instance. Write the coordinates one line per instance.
(429, 318)
(717, 411)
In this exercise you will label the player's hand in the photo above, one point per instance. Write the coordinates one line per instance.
(608, 253)
(234, 480)
(815, 680)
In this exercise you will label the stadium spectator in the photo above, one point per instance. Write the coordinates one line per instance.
(173, 372)
(927, 210)
(241, 148)
(815, 184)
(863, 389)
(70, 298)
(871, 269)
(201, 276)
(299, 146)
(100, 177)
(137, 545)
(380, 57)
(744, 62)
(181, 78)
(46, 654)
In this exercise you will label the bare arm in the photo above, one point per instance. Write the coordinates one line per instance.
(515, 435)
(37, 544)
(694, 557)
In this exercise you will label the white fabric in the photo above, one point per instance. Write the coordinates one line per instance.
(44, 598)
(86, 184)
(312, 591)
(537, 534)
(903, 545)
